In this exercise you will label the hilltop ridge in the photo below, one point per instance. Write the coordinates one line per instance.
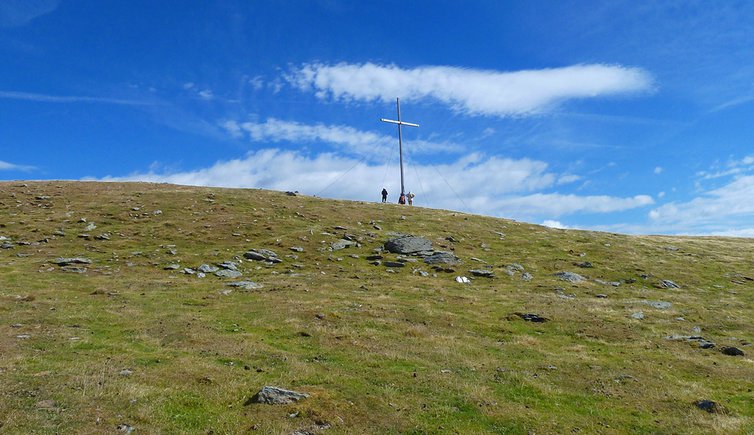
(118, 315)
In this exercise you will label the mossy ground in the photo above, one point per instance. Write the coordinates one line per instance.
(378, 352)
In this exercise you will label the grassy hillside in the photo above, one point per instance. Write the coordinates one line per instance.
(123, 344)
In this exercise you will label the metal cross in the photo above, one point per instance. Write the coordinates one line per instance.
(400, 135)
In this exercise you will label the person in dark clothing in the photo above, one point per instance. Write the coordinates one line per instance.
(402, 199)
(384, 195)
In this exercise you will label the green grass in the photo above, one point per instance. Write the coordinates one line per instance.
(378, 352)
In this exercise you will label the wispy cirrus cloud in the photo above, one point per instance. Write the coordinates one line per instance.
(471, 91)
(479, 184)
(15, 13)
(44, 98)
(346, 138)
(6, 166)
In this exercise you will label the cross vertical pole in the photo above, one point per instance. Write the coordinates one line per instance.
(400, 136)
(400, 140)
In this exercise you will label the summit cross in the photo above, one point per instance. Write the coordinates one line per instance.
(400, 135)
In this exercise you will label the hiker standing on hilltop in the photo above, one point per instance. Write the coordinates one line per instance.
(410, 197)
(402, 199)
(384, 195)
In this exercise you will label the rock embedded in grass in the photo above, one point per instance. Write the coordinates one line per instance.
(731, 351)
(531, 317)
(408, 245)
(482, 273)
(262, 255)
(442, 257)
(206, 268)
(64, 261)
(245, 285)
(342, 244)
(570, 277)
(710, 406)
(276, 396)
(666, 283)
(227, 273)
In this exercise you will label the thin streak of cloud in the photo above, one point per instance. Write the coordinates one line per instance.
(16, 13)
(7, 166)
(470, 91)
(344, 137)
(43, 98)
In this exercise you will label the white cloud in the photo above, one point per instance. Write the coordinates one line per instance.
(474, 184)
(6, 166)
(733, 167)
(346, 138)
(658, 170)
(256, 82)
(43, 98)
(15, 13)
(470, 91)
(188, 85)
(555, 224)
(206, 94)
(715, 211)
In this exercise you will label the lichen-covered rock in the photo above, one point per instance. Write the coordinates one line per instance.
(442, 257)
(276, 396)
(570, 277)
(408, 245)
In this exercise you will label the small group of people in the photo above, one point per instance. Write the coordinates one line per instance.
(402, 199)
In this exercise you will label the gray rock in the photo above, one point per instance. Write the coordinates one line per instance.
(666, 283)
(570, 277)
(342, 244)
(393, 264)
(512, 269)
(262, 255)
(73, 269)
(7, 245)
(245, 285)
(441, 257)
(172, 267)
(90, 227)
(276, 396)
(463, 280)
(603, 282)
(526, 276)
(297, 249)
(531, 317)
(584, 264)
(660, 305)
(731, 351)
(189, 271)
(408, 245)
(710, 406)
(482, 272)
(227, 273)
(637, 315)
(63, 261)
(200, 275)
(206, 268)
(229, 265)
(103, 236)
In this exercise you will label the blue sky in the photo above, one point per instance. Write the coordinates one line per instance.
(633, 117)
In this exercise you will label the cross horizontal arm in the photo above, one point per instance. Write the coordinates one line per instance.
(399, 122)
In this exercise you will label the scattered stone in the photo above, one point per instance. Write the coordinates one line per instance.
(531, 317)
(584, 264)
(601, 296)
(200, 275)
(157, 212)
(462, 280)
(7, 245)
(296, 249)
(479, 260)
(637, 315)
(262, 255)
(23, 336)
(442, 257)
(375, 262)
(611, 283)
(393, 264)
(526, 276)
(229, 265)
(245, 285)
(710, 406)
(563, 295)
(342, 244)
(103, 236)
(126, 372)
(62, 261)
(731, 351)
(408, 245)
(482, 273)
(227, 273)
(125, 428)
(226, 292)
(276, 396)
(189, 271)
(570, 277)
(73, 269)
(206, 268)
(660, 305)
(90, 227)
(320, 316)
(666, 283)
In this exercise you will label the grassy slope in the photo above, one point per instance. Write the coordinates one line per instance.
(393, 353)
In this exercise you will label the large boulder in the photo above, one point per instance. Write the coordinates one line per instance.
(408, 245)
